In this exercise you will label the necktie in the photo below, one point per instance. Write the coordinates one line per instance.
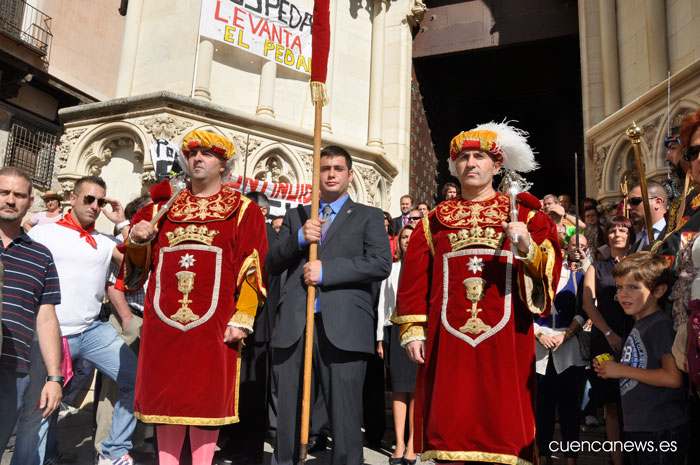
(327, 210)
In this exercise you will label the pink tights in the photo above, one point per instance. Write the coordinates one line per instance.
(171, 437)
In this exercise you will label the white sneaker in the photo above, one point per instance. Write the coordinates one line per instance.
(124, 460)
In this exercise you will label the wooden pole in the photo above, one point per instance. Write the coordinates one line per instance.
(311, 295)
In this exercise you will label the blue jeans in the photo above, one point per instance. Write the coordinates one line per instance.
(101, 345)
(19, 398)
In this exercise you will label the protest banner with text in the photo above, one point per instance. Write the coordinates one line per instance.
(278, 30)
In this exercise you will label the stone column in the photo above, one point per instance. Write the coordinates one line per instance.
(656, 41)
(376, 74)
(205, 57)
(611, 65)
(127, 62)
(266, 94)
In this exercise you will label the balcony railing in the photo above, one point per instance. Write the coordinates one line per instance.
(24, 22)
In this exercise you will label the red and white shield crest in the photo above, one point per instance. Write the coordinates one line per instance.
(477, 293)
(187, 294)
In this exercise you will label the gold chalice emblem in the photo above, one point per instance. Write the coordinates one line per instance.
(475, 293)
(185, 284)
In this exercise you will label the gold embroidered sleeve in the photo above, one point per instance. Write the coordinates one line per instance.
(247, 305)
(399, 320)
(533, 260)
(251, 266)
(411, 332)
(537, 286)
(428, 235)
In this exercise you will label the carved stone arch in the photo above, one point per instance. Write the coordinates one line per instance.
(620, 161)
(90, 147)
(370, 179)
(380, 200)
(94, 148)
(357, 191)
(276, 162)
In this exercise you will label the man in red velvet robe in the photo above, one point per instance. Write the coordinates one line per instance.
(472, 280)
(204, 257)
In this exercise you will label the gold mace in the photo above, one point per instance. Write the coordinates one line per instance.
(635, 132)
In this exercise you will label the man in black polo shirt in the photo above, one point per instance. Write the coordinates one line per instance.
(29, 294)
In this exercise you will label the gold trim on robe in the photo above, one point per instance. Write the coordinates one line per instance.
(412, 332)
(428, 235)
(473, 456)
(245, 201)
(251, 265)
(399, 320)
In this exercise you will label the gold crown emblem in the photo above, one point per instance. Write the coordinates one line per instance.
(476, 236)
(191, 233)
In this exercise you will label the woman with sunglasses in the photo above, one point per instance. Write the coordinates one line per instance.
(610, 323)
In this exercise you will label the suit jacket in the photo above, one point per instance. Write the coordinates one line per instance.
(354, 254)
(398, 224)
(637, 247)
(266, 316)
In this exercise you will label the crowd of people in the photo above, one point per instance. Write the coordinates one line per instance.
(486, 312)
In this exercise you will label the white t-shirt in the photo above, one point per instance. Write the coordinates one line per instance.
(42, 218)
(82, 272)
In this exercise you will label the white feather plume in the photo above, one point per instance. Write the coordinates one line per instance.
(517, 153)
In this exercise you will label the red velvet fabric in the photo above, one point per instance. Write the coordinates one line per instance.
(187, 374)
(475, 394)
(320, 41)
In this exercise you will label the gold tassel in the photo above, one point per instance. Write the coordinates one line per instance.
(318, 92)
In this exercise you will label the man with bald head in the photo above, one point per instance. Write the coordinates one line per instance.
(658, 203)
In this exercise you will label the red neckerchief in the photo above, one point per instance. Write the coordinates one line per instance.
(68, 222)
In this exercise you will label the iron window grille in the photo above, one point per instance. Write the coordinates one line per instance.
(32, 149)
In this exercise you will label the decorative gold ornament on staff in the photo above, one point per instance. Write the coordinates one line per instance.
(635, 132)
(624, 189)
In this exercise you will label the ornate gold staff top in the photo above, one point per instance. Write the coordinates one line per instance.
(625, 195)
(634, 132)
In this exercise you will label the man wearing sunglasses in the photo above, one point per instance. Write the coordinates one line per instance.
(414, 216)
(83, 256)
(658, 201)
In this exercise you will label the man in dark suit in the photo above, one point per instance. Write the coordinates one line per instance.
(406, 205)
(658, 201)
(353, 253)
